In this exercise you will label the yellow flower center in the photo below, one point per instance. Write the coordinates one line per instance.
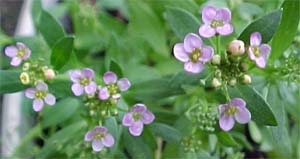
(136, 116)
(195, 55)
(231, 110)
(216, 23)
(113, 88)
(40, 94)
(98, 135)
(21, 52)
(84, 81)
(256, 51)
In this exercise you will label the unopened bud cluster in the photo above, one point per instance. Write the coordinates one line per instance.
(191, 143)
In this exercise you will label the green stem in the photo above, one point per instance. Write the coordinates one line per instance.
(225, 91)
(217, 44)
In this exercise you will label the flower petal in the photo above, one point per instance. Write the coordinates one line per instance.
(207, 31)
(101, 129)
(108, 140)
(21, 45)
(148, 117)
(37, 105)
(222, 108)
(238, 102)
(97, 145)
(127, 119)
(208, 14)
(103, 93)
(30, 93)
(75, 75)
(88, 136)
(42, 86)
(255, 39)
(243, 115)
(261, 61)
(139, 108)
(11, 51)
(179, 52)
(77, 89)
(265, 50)
(88, 73)
(16, 61)
(225, 29)
(124, 84)
(251, 54)
(191, 41)
(226, 122)
(224, 15)
(50, 99)
(91, 88)
(109, 77)
(207, 53)
(27, 53)
(136, 128)
(193, 67)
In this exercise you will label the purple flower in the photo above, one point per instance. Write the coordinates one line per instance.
(136, 118)
(237, 110)
(258, 52)
(100, 138)
(193, 53)
(83, 81)
(215, 22)
(113, 86)
(17, 53)
(40, 95)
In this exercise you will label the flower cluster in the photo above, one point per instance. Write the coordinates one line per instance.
(34, 73)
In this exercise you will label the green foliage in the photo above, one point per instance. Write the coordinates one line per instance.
(61, 52)
(10, 81)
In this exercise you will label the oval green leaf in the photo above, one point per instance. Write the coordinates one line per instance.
(10, 81)
(61, 52)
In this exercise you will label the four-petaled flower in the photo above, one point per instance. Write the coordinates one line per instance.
(17, 53)
(136, 118)
(83, 81)
(100, 138)
(193, 53)
(113, 86)
(258, 52)
(40, 95)
(235, 110)
(215, 22)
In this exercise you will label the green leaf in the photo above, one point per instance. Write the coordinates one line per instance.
(116, 68)
(168, 133)
(114, 129)
(61, 52)
(287, 29)
(226, 139)
(259, 108)
(60, 86)
(10, 81)
(51, 30)
(61, 111)
(266, 25)
(181, 21)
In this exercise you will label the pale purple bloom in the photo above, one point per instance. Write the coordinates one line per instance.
(216, 21)
(40, 95)
(113, 86)
(136, 118)
(17, 53)
(193, 53)
(83, 81)
(100, 138)
(235, 110)
(258, 52)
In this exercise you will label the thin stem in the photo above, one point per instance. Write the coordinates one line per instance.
(217, 44)
(225, 91)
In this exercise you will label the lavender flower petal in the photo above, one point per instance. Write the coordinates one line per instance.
(180, 53)
(124, 84)
(88, 136)
(226, 122)
(75, 75)
(225, 29)
(261, 62)
(38, 105)
(191, 41)
(255, 39)
(27, 53)
(41, 86)
(208, 14)
(91, 88)
(139, 108)
(101, 129)
(206, 31)
(207, 54)
(16, 61)
(108, 140)
(97, 145)
(50, 99)
(251, 53)
(88, 73)
(11, 51)
(224, 15)
(127, 119)
(30, 93)
(148, 117)
(243, 115)
(103, 93)
(136, 128)
(239, 102)
(265, 50)
(109, 77)
(193, 67)
(77, 89)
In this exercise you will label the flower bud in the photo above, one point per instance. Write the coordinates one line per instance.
(245, 66)
(49, 74)
(216, 59)
(216, 83)
(218, 73)
(24, 77)
(247, 79)
(26, 66)
(236, 47)
(232, 82)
